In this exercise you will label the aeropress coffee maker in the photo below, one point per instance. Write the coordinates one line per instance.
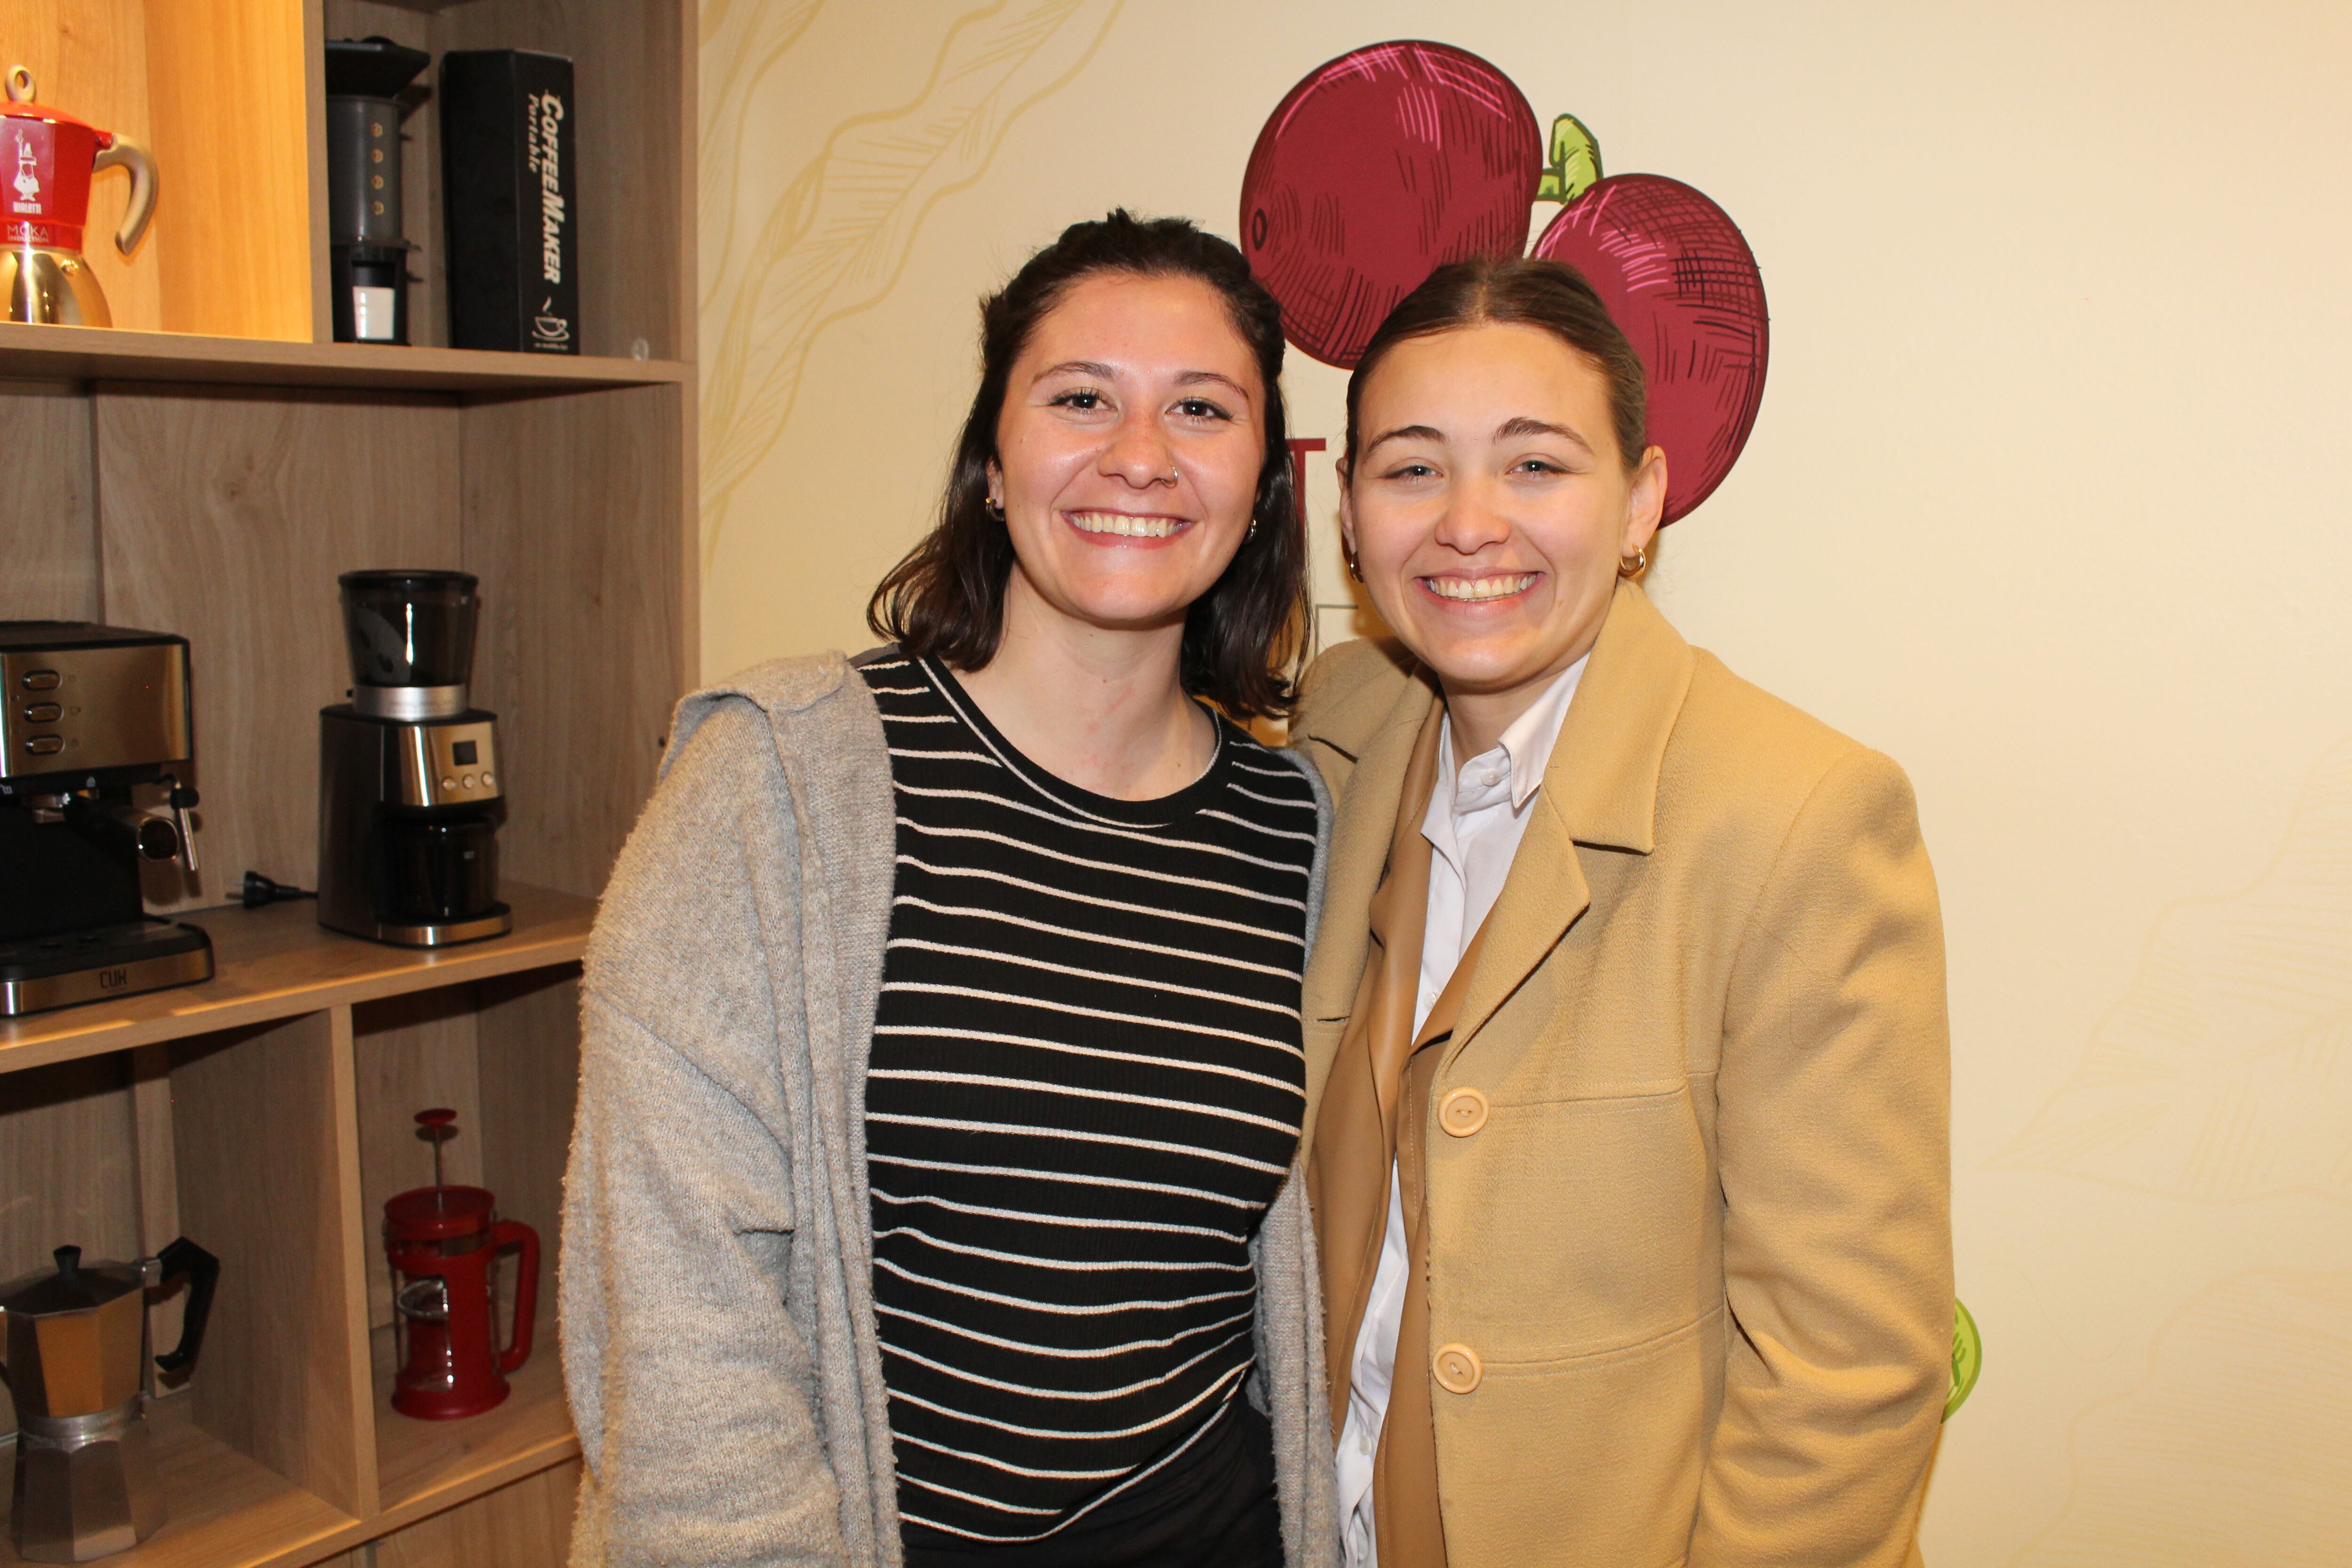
(409, 793)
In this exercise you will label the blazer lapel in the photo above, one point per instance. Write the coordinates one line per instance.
(1363, 825)
(1600, 788)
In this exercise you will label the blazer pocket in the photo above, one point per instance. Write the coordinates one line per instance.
(1566, 1225)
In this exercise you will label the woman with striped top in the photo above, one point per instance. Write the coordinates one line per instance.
(1000, 1260)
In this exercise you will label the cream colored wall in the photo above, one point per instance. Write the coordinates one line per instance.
(2048, 500)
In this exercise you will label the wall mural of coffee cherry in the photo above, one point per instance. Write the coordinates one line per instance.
(1392, 159)
(1375, 169)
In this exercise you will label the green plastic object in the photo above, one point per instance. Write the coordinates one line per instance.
(1571, 164)
(1967, 1358)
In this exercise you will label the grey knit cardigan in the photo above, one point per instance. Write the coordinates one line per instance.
(716, 1285)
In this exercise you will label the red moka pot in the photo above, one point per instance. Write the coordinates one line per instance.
(47, 157)
(443, 1243)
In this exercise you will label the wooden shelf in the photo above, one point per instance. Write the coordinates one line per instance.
(278, 961)
(30, 353)
(226, 1512)
(427, 1466)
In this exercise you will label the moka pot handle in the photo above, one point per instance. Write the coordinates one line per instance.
(203, 1271)
(123, 151)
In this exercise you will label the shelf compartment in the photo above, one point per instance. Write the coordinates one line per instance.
(29, 353)
(425, 1466)
(278, 961)
(632, 62)
(226, 1512)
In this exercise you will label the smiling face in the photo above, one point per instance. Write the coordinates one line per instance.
(1128, 453)
(1490, 507)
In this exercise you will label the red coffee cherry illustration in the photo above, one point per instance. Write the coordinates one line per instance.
(1385, 165)
(1680, 282)
(1376, 169)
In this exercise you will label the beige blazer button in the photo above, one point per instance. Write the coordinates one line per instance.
(1458, 1368)
(1461, 1112)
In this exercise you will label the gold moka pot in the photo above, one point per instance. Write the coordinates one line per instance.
(76, 1335)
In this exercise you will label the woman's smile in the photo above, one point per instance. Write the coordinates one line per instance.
(1490, 588)
(1127, 529)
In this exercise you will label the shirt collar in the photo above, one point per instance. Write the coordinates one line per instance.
(1528, 744)
(1516, 762)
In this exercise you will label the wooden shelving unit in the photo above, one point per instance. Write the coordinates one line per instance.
(208, 469)
(91, 354)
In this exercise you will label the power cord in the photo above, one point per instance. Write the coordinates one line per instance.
(259, 890)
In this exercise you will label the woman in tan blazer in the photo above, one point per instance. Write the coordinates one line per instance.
(1629, 1156)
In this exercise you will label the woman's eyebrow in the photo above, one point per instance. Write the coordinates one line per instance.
(1405, 433)
(1515, 429)
(1076, 367)
(1194, 377)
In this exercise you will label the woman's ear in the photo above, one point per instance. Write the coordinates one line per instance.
(1645, 501)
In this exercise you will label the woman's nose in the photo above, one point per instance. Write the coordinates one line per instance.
(1139, 454)
(1470, 523)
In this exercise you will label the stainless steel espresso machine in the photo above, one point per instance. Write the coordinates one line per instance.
(88, 715)
(410, 795)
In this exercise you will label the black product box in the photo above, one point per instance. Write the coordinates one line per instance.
(509, 171)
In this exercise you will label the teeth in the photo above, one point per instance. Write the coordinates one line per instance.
(1121, 523)
(1470, 590)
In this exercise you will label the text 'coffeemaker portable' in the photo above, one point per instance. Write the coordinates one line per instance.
(47, 157)
(90, 714)
(77, 1368)
(410, 794)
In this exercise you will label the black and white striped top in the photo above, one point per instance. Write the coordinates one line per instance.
(1086, 1085)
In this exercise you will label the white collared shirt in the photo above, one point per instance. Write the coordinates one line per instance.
(1477, 814)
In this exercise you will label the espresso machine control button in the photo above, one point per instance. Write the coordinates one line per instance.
(43, 713)
(468, 781)
(40, 680)
(489, 782)
(45, 745)
(448, 784)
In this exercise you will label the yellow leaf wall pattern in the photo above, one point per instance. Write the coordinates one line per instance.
(2226, 1073)
(833, 243)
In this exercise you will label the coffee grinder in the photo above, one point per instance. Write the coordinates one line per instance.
(88, 715)
(410, 795)
(367, 255)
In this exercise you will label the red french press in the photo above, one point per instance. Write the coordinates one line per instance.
(443, 1242)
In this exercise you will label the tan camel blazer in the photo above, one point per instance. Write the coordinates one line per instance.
(1694, 1260)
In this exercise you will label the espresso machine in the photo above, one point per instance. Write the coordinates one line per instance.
(89, 714)
(410, 796)
(78, 1370)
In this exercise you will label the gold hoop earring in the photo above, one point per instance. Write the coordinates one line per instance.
(1634, 564)
(994, 508)
(1355, 567)
(1252, 533)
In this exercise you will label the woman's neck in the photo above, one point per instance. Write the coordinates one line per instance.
(1099, 708)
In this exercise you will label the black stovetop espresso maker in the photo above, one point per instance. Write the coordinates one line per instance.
(410, 796)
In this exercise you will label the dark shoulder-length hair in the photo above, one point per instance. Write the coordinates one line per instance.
(1241, 637)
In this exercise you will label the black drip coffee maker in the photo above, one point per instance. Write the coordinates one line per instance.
(410, 795)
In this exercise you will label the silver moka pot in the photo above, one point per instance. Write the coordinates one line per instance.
(77, 1337)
